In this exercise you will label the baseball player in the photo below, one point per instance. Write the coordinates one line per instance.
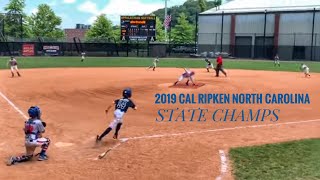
(209, 65)
(188, 75)
(121, 107)
(305, 69)
(155, 62)
(219, 66)
(83, 56)
(13, 66)
(276, 60)
(33, 129)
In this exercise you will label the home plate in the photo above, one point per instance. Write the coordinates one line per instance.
(63, 144)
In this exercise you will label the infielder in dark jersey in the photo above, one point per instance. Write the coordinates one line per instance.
(121, 107)
(209, 65)
(33, 129)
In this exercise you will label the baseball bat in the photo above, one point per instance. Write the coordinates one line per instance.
(104, 153)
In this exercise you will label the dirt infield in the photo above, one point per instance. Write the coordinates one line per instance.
(73, 103)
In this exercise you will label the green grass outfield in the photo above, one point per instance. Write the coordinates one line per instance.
(296, 160)
(52, 62)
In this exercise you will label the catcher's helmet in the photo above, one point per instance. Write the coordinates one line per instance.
(34, 112)
(127, 93)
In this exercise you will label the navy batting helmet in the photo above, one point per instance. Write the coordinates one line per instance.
(127, 93)
(34, 112)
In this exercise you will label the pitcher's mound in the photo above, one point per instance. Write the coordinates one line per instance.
(191, 86)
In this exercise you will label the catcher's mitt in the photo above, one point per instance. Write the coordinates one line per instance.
(44, 124)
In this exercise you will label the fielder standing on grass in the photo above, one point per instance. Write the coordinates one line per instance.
(276, 60)
(33, 129)
(13, 66)
(219, 66)
(83, 56)
(121, 107)
(155, 62)
(305, 69)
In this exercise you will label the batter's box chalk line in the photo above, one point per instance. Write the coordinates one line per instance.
(58, 144)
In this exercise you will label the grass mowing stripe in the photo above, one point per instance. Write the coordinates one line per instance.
(294, 160)
(51, 62)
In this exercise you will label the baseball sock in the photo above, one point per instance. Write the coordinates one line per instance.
(12, 74)
(44, 147)
(18, 74)
(176, 83)
(105, 133)
(23, 158)
(154, 68)
(208, 69)
(117, 130)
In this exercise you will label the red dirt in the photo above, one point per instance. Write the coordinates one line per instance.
(73, 101)
(190, 86)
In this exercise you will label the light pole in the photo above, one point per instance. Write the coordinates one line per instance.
(165, 16)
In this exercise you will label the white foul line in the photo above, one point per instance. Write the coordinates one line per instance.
(217, 130)
(224, 164)
(14, 106)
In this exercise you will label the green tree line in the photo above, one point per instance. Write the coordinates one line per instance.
(45, 23)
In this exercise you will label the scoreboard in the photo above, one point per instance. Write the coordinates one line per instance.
(141, 28)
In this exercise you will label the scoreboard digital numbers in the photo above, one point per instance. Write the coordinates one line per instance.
(141, 28)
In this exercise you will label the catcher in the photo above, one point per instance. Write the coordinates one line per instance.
(33, 129)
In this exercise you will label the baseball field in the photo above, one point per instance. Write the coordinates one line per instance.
(73, 96)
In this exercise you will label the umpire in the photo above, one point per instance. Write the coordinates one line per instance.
(219, 66)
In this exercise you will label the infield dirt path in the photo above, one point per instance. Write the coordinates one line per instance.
(73, 101)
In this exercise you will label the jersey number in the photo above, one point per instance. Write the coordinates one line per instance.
(121, 104)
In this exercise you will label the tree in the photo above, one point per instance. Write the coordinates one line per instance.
(101, 29)
(160, 35)
(45, 23)
(217, 3)
(183, 32)
(15, 19)
(116, 33)
(202, 5)
(190, 8)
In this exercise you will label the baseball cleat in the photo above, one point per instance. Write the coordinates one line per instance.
(115, 136)
(11, 161)
(97, 139)
(42, 157)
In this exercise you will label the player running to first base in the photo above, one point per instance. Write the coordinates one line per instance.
(121, 107)
(305, 69)
(155, 62)
(186, 75)
(33, 129)
(13, 66)
(209, 65)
